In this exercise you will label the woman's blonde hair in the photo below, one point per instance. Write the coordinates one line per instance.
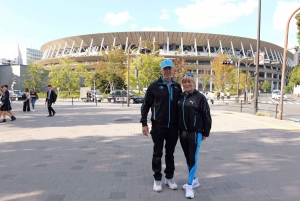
(188, 79)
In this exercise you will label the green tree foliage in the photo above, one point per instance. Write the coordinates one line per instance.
(35, 77)
(204, 78)
(266, 86)
(223, 76)
(66, 76)
(148, 66)
(298, 26)
(242, 84)
(294, 78)
(112, 65)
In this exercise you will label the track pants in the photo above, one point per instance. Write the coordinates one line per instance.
(159, 135)
(190, 143)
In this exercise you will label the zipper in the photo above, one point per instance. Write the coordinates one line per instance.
(154, 114)
(183, 112)
(194, 120)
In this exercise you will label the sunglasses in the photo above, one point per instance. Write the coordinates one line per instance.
(187, 74)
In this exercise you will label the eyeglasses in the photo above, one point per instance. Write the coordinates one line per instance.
(187, 74)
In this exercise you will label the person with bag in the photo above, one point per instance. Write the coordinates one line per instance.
(194, 124)
(26, 97)
(50, 99)
(33, 98)
(5, 104)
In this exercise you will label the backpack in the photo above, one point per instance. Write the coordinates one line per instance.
(24, 96)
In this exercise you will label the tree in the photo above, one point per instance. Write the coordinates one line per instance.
(112, 65)
(298, 26)
(294, 78)
(148, 66)
(66, 76)
(204, 78)
(266, 86)
(223, 76)
(179, 69)
(35, 77)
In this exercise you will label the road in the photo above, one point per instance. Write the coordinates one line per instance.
(291, 107)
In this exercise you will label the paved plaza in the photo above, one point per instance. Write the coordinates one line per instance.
(91, 153)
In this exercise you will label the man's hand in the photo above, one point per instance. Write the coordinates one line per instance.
(53, 102)
(45, 103)
(203, 137)
(145, 130)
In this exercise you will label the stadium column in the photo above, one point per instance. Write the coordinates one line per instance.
(221, 47)
(52, 51)
(208, 46)
(63, 52)
(101, 44)
(181, 45)
(196, 47)
(114, 43)
(197, 79)
(233, 52)
(168, 43)
(211, 73)
(79, 50)
(90, 48)
(57, 50)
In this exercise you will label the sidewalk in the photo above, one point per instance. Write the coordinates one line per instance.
(94, 153)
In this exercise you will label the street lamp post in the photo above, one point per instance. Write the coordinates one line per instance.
(284, 65)
(257, 61)
(94, 78)
(128, 72)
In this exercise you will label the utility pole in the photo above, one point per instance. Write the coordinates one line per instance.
(257, 61)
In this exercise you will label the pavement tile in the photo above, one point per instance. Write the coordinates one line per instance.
(83, 159)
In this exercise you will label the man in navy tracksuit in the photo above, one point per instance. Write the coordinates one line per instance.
(162, 97)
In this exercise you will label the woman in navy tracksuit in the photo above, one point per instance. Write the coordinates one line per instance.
(194, 125)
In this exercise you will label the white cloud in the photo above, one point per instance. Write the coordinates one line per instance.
(159, 28)
(282, 13)
(202, 15)
(117, 19)
(164, 15)
(133, 26)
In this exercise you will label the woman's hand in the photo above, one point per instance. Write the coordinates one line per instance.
(203, 137)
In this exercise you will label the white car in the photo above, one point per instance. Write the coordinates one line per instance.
(277, 97)
(275, 93)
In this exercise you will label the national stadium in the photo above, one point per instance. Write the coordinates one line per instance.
(197, 49)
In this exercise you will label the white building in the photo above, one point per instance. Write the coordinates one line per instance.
(33, 55)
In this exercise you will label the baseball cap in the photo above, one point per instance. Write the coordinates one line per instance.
(167, 63)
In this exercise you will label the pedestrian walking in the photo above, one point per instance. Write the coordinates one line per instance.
(5, 104)
(50, 99)
(194, 123)
(33, 98)
(26, 97)
(212, 97)
(162, 96)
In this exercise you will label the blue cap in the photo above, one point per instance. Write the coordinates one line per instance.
(167, 63)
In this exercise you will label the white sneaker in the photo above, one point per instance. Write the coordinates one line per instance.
(195, 184)
(157, 186)
(33, 110)
(172, 185)
(189, 192)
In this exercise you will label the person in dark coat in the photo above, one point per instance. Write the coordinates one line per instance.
(50, 99)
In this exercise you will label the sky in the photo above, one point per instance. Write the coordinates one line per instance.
(32, 23)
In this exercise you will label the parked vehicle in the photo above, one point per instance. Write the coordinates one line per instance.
(19, 94)
(275, 93)
(121, 96)
(89, 95)
(12, 95)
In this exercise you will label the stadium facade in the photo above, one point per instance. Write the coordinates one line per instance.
(197, 49)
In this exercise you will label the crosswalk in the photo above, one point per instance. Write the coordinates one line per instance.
(285, 102)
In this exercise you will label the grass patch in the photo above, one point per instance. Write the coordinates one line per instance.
(264, 114)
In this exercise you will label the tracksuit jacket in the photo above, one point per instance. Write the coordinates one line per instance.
(163, 103)
(194, 112)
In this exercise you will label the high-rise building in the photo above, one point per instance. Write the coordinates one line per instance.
(33, 55)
